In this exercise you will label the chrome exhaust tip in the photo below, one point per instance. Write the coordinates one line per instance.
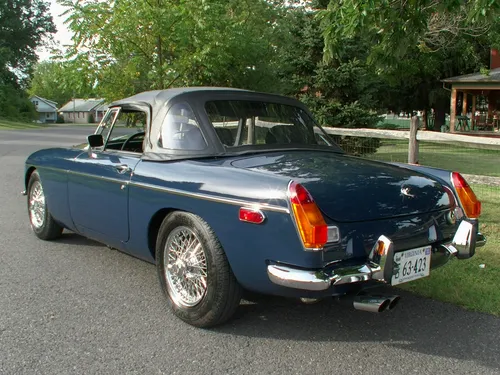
(394, 300)
(371, 303)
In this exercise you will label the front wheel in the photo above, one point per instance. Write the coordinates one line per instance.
(194, 273)
(43, 224)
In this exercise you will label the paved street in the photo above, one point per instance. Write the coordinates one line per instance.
(74, 306)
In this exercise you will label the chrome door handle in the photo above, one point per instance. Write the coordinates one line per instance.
(123, 168)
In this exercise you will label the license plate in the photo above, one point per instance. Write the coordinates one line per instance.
(411, 264)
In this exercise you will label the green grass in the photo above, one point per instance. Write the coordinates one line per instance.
(463, 282)
(16, 125)
(456, 158)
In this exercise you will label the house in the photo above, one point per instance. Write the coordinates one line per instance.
(83, 111)
(46, 109)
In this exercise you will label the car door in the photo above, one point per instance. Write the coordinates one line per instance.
(98, 185)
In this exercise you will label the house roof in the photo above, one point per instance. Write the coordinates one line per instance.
(47, 101)
(102, 107)
(492, 77)
(81, 105)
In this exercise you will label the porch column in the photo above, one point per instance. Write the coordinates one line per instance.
(473, 120)
(453, 110)
(464, 104)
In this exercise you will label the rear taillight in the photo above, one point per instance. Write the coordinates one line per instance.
(469, 201)
(451, 197)
(310, 222)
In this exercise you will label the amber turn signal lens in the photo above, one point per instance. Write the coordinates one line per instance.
(310, 223)
(469, 201)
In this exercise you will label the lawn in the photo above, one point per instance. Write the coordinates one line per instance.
(15, 125)
(464, 282)
(461, 159)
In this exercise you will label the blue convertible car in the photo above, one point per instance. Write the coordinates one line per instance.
(229, 191)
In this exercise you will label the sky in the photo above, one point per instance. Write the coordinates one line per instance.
(63, 36)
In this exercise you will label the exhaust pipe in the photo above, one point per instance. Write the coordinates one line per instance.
(375, 303)
(394, 300)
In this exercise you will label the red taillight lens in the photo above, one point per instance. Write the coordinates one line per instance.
(251, 215)
(469, 201)
(311, 225)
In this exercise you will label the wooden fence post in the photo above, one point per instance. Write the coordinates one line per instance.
(413, 144)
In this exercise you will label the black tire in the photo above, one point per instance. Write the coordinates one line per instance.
(222, 293)
(44, 227)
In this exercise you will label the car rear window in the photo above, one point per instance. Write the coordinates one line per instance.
(247, 123)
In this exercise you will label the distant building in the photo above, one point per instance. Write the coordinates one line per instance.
(83, 111)
(46, 109)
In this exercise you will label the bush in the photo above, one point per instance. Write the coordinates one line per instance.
(91, 119)
(60, 119)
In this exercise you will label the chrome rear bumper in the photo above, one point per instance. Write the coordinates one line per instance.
(462, 246)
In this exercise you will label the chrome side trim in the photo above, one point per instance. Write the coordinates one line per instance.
(82, 174)
(102, 178)
(213, 198)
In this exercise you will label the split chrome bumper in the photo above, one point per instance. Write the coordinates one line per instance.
(462, 246)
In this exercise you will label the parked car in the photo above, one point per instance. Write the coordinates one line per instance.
(229, 191)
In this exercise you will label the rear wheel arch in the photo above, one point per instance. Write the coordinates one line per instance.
(154, 228)
(27, 177)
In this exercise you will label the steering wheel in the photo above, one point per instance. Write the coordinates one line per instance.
(129, 139)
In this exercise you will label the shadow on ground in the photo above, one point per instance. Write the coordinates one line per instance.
(416, 324)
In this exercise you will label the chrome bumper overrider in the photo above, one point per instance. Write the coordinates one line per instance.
(462, 246)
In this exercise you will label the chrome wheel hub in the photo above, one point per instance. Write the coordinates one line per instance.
(185, 267)
(36, 205)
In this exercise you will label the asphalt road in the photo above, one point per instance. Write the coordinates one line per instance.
(74, 306)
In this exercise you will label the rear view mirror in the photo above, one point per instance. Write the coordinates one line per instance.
(95, 140)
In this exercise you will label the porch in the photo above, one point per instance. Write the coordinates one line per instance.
(475, 102)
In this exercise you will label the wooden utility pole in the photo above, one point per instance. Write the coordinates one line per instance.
(413, 144)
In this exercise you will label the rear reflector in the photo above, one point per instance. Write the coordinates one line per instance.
(310, 223)
(469, 201)
(251, 215)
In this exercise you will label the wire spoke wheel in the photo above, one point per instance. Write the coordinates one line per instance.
(36, 205)
(185, 266)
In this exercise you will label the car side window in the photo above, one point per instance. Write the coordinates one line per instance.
(107, 122)
(180, 130)
(127, 131)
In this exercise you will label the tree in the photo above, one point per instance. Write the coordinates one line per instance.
(60, 81)
(396, 27)
(341, 92)
(413, 45)
(165, 43)
(23, 25)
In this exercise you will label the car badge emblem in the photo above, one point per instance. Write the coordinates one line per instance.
(406, 192)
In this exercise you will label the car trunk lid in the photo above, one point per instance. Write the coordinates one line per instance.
(351, 189)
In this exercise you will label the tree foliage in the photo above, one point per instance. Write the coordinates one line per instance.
(415, 44)
(23, 25)
(164, 43)
(395, 27)
(341, 92)
(60, 81)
